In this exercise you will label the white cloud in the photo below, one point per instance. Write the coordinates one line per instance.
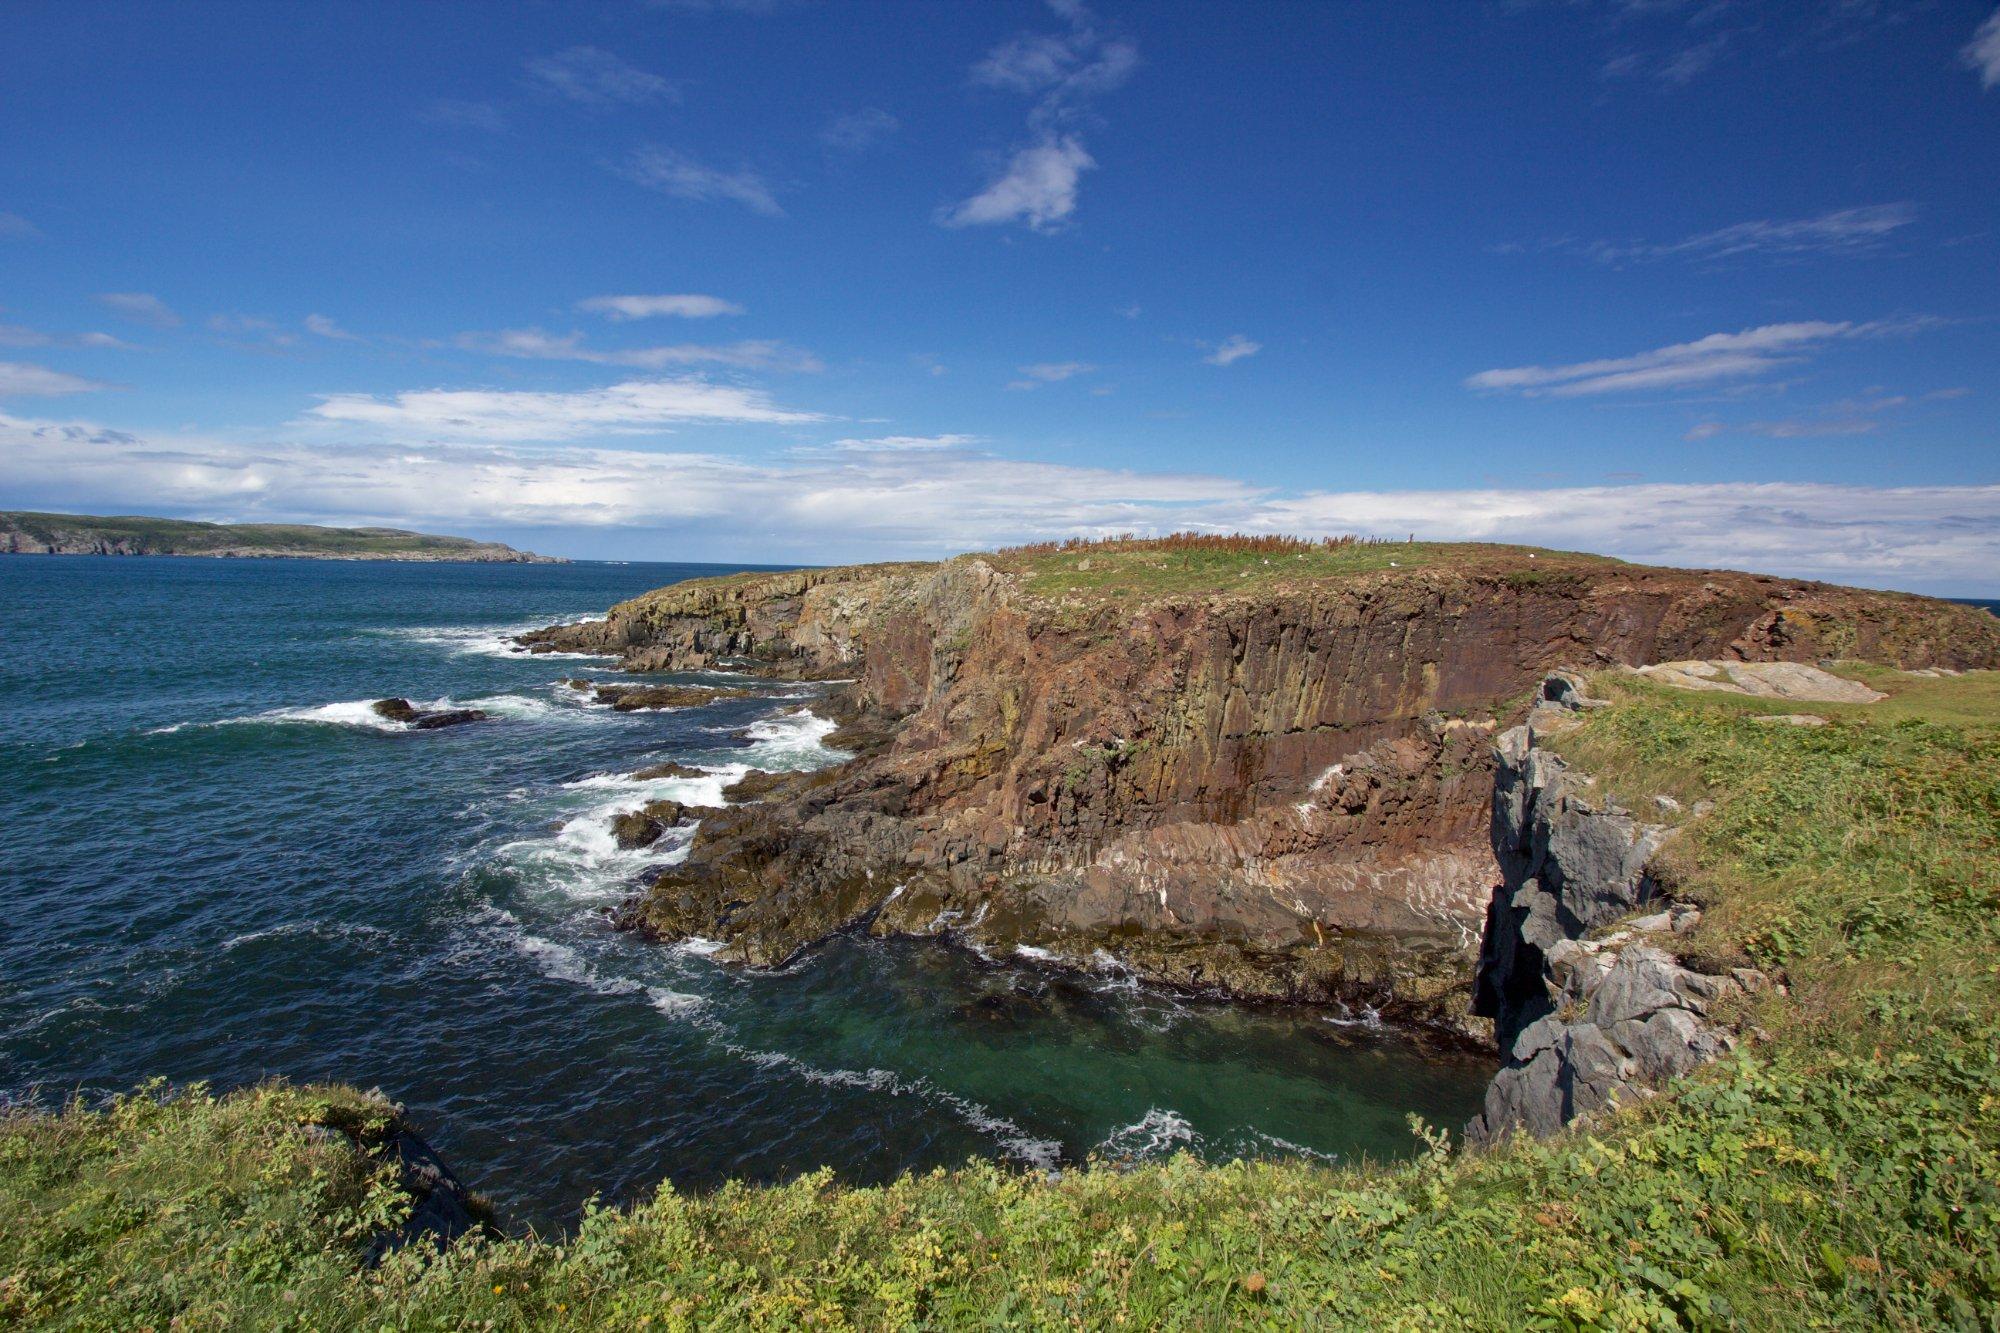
(324, 327)
(1038, 187)
(648, 307)
(20, 335)
(889, 444)
(749, 354)
(1841, 231)
(1233, 348)
(594, 77)
(928, 501)
(456, 114)
(1880, 535)
(1051, 372)
(1038, 184)
(858, 131)
(682, 177)
(1719, 356)
(104, 341)
(20, 378)
(19, 228)
(635, 407)
(140, 308)
(1982, 53)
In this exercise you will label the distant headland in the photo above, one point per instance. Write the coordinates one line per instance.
(26, 533)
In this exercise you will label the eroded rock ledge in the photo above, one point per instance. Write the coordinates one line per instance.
(1584, 1019)
(1280, 791)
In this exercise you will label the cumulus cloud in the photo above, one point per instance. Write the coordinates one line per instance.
(20, 378)
(1982, 53)
(534, 344)
(681, 177)
(1231, 349)
(1718, 357)
(593, 77)
(634, 407)
(649, 307)
(1037, 185)
(140, 308)
(925, 501)
(858, 131)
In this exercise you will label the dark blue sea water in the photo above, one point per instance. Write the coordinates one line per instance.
(215, 864)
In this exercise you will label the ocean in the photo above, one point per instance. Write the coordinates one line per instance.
(217, 865)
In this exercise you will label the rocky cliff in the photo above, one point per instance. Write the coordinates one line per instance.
(1584, 1017)
(23, 533)
(1261, 772)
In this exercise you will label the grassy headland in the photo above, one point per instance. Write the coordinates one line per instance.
(25, 533)
(1842, 1167)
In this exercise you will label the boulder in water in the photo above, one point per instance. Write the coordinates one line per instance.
(424, 719)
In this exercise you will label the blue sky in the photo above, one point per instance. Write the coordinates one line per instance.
(1709, 282)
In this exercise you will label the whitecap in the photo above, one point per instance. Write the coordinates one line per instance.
(1155, 1134)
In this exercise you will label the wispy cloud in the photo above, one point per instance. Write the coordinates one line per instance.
(593, 77)
(20, 335)
(16, 227)
(1720, 356)
(928, 501)
(748, 354)
(1982, 53)
(858, 131)
(104, 342)
(893, 444)
(681, 177)
(1037, 185)
(1232, 349)
(140, 308)
(251, 332)
(1050, 372)
(635, 407)
(323, 327)
(649, 307)
(1839, 232)
(456, 114)
(18, 378)
(1859, 415)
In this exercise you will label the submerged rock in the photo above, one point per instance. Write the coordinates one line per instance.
(632, 698)
(425, 719)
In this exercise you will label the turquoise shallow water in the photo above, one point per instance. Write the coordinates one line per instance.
(212, 866)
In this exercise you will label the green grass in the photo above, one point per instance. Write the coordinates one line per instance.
(1142, 568)
(1843, 1170)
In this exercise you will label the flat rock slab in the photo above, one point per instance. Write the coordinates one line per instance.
(1763, 680)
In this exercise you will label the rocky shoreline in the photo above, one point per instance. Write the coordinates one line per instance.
(1286, 793)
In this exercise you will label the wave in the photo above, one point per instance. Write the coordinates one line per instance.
(563, 963)
(492, 640)
(790, 743)
(1156, 1134)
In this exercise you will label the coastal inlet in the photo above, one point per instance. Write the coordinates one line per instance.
(219, 861)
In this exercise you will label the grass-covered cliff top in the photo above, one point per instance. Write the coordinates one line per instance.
(135, 535)
(1843, 1170)
(1207, 563)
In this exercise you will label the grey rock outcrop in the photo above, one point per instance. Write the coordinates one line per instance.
(1582, 1023)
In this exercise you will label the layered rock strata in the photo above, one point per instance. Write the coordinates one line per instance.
(1276, 790)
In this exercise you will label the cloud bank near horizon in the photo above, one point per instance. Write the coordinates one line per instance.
(848, 502)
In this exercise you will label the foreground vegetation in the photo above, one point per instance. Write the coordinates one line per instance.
(1841, 1168)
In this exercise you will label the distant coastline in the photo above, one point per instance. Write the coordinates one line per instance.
(29, 533)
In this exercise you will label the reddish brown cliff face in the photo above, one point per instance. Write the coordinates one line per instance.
(1276, 788)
